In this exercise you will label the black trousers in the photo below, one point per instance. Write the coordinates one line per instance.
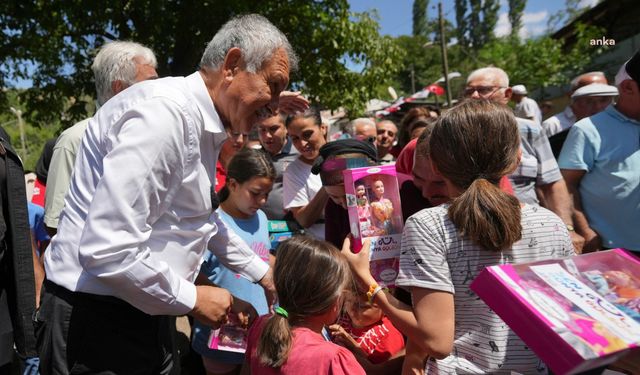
(81, 333)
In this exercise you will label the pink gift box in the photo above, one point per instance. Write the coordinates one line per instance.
(576, 313)
(375, 216)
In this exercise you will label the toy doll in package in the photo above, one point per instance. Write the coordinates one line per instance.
(373, 202)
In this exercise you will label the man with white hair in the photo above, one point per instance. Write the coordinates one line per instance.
(538, 173)
(525, 107)
(117, 66)
(140, 212)
(363, 129)
(583, 105)
(601, 163)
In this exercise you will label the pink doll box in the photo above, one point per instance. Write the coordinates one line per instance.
(230, 337)
(377, 215)
(576, 313)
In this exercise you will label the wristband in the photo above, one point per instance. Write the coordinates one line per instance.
(373, 290)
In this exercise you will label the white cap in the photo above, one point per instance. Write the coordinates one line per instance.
(595, 89)
(519, 90)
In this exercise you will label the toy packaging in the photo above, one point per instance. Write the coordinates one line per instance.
(230, 337)
(373, 202)
(576, 313)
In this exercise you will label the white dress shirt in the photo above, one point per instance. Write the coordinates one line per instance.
(559, 122)
(138, 215)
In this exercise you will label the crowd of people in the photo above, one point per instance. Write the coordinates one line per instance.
(160, 205)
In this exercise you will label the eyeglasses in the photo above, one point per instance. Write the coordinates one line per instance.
(484, 91)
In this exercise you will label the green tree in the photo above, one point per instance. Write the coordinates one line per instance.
(572, 10)
(516, 9)
(543, 61)
(420, 20)
(476, 20)
(53, 43)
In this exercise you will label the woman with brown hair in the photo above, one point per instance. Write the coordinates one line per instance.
(444, 248)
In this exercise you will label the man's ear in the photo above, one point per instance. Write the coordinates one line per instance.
(117, 86)
(508, 93)
(231, 64)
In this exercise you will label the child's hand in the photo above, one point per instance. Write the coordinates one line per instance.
(244, 312)
(359, 262)
(341, 337)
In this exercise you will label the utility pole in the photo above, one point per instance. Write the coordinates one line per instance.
(443, 47)
(18, 114)
(413, 80)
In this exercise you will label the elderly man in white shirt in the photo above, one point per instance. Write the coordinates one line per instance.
(140, 211)
(525, 107)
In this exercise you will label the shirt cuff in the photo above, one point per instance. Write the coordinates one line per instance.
(256, 269)
(186, 298)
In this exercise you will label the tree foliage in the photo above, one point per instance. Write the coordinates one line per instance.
(516, 9)
(475, 21)
(420, 20)
(541, 62)
(53, 43)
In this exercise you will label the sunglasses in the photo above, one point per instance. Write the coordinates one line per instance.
(483, 91)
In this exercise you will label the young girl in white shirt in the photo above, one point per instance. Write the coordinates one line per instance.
(250, 176)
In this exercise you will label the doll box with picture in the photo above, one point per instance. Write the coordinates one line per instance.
(373, 202)
(576, 313)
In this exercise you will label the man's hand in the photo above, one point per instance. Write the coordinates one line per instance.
(592, 242)
(212, 305)
(577, 240)
(269, 288)
(292, 102)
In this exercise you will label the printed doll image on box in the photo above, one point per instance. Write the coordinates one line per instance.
(381, 209)
(364, 209)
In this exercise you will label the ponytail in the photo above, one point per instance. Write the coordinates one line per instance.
(310, 276)
(275, 342)
(487, 215)
(223, 194)
(473, 145)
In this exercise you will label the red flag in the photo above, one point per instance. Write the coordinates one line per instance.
(436, 89)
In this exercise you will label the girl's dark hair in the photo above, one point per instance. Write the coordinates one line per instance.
(311, 112)
(246, 164)
(474, 145)
(309, 275)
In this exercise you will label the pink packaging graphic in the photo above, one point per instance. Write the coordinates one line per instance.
(230, 337)
(576, 313)
(373, 202)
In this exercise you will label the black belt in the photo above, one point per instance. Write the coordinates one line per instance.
(74, 298)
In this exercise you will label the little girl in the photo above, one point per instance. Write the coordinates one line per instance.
(250, 176)
(367, 331)
(310, 277)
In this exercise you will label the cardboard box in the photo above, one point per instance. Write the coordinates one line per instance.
(575, 314)
(375, 213)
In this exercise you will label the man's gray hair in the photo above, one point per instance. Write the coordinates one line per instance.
(499, 75)
(351, 126)
(255, 36)
(115, 62)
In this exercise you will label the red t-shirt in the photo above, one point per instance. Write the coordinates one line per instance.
(38, 193)
(310, 354)
(379, 341)
(221, 176)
